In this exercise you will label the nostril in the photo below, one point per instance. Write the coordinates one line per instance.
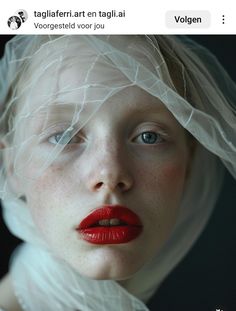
(99, 185)
(121, 185)
(111, 186)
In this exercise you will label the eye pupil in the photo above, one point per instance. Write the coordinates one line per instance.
(149, 137)
(57, 137)
(64, 137)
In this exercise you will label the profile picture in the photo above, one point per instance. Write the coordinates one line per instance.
(14, 22)
(22, 14)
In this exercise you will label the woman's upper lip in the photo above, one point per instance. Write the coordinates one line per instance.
(122, 213)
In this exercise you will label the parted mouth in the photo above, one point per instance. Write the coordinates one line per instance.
(111, 224)
(110, 216)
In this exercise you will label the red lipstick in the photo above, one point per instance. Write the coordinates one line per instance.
(110, 225)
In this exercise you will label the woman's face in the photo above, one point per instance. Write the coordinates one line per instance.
(132, 152)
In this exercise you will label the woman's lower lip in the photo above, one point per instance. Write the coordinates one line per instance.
(111, 234)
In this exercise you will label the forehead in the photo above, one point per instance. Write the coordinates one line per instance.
(70, 70)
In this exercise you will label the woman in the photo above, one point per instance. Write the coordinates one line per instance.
(106, 143)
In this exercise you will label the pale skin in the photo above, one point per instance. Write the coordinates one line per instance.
(138, 155)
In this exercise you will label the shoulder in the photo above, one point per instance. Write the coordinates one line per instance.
(8, 300)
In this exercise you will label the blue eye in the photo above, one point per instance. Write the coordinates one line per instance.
(149, 138)
(64, 138)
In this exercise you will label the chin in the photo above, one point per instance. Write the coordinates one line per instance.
(108, 264)
(107, 275)
(107, 272)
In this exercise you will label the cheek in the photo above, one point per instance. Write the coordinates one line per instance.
(170, 185)
(162, 189)
(166, 178)
(172, 177)
(46, 200)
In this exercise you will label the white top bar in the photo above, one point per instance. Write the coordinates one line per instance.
(118, 17)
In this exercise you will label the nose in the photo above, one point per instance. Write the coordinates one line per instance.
(110, 172)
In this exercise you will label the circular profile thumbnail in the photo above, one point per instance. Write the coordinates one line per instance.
(14, 22)
(22, 14)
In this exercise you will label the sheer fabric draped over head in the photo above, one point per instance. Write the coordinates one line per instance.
(183, 75)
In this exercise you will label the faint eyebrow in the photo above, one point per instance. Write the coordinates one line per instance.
(156, 107)
(153, 108)
(59, 109)
(51, 114)
(60, 106)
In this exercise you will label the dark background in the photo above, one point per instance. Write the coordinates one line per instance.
(206, 277)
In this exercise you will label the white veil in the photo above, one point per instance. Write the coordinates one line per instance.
(197, 91)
